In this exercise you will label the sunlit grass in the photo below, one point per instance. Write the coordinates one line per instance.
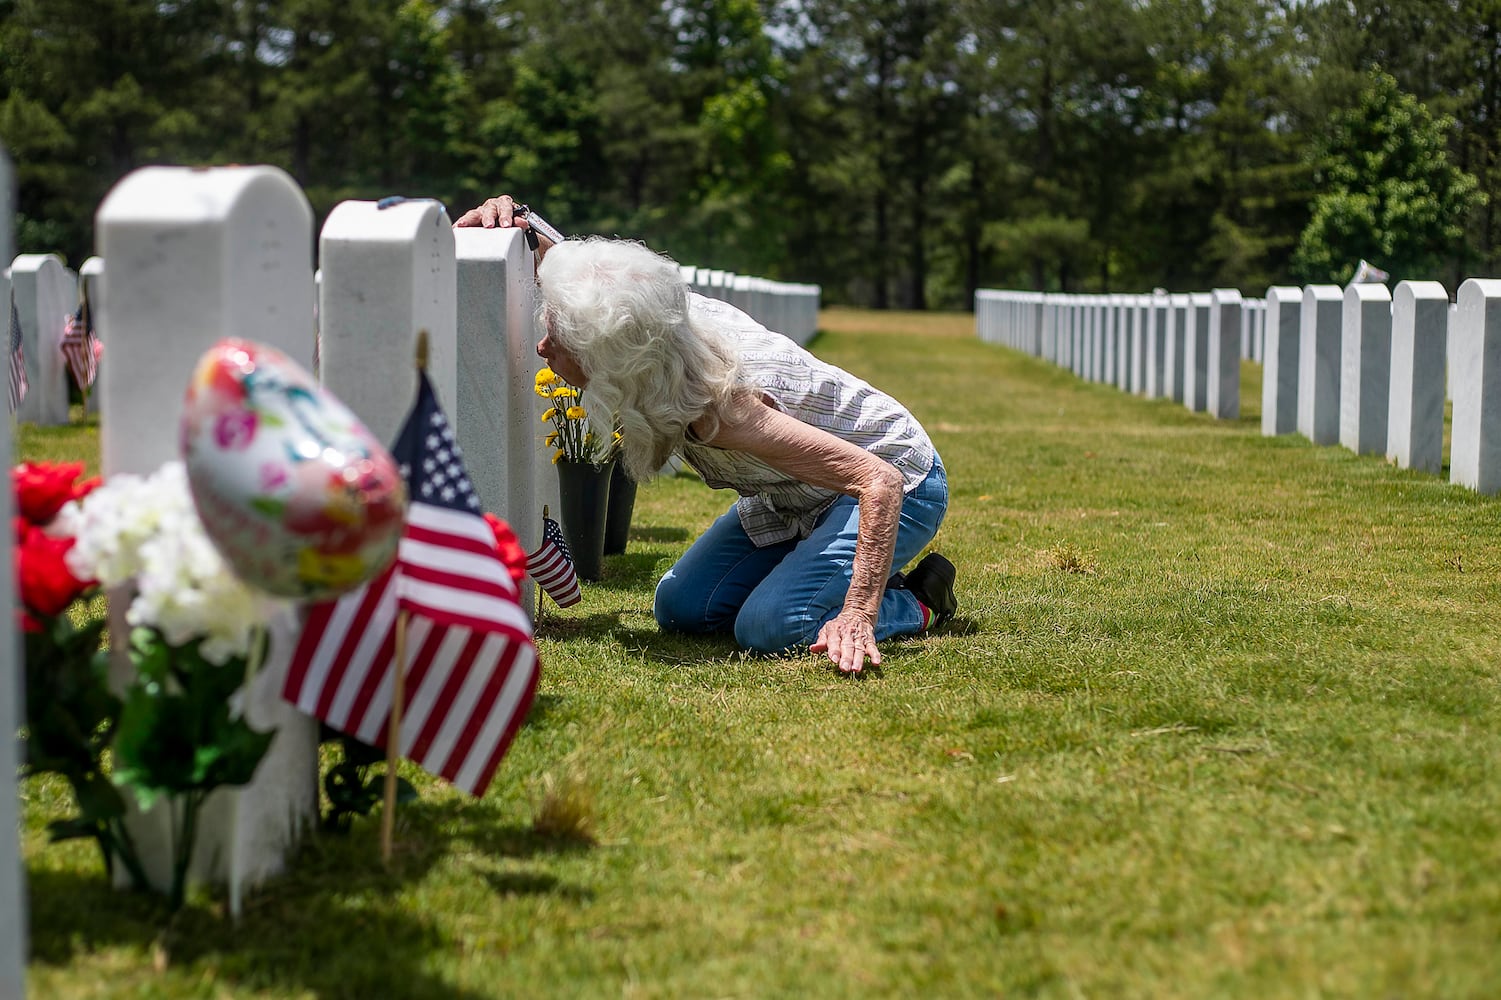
(1217, 717)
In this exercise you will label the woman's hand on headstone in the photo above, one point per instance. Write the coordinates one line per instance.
(494, 213)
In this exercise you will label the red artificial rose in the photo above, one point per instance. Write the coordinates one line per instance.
(509, 548)
(43, 487)
(47, 586)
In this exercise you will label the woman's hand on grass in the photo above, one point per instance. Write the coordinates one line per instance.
(848, 639)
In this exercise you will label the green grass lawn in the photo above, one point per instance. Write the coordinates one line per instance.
(1217, 719)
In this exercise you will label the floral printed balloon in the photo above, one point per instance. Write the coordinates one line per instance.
(295, 493)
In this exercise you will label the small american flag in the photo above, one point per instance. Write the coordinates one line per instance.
(18, 382)
(471, 669)
(552, 566)
(80, 347)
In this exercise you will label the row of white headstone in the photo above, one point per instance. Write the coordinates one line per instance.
(187, 256)
(47, 291)
(1181, 347)
(788, 308)
(1362, 366)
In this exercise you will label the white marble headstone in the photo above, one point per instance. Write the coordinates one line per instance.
(1159, 319)
(1177, 341)
(1279, 375)
(1196, 353)
(1222, 369)
(1415, 418)
(388, 273)
(1319, 358)
(498, 422)
(1475, 345)
(1365, 368)
(46, 294)
(197, 254)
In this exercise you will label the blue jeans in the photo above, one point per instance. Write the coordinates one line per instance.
(778, 597)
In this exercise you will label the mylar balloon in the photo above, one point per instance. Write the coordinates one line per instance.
(295, 493)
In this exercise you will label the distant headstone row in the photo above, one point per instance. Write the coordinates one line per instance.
(1186, 348)
(47, 292)
(789, 309)
(1362, 367)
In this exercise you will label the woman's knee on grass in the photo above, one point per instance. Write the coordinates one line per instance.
(681, 606)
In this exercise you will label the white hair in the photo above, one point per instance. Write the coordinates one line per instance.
(622, 311)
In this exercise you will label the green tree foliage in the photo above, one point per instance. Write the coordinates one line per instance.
(1389, 193)
(899, 152)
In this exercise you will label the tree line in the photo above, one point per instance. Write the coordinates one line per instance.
(901, 153)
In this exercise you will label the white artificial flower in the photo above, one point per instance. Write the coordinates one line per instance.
(147, 531)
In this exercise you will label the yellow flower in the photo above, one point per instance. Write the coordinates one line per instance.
(557, 456)
(564, 392)
(575, 413)
(552, 411)
(546, 378)
(615, 437)
(551, 440)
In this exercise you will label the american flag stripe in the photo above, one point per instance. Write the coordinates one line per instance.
(432, 690)
(470, 664)
(555, 572)
(78, 348)
(504, 718)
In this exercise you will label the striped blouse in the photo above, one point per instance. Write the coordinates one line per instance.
(773, 506)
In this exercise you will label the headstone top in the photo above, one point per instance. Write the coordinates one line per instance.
(189, 194)
(475, 243)
(1367, 292)
(398, 223)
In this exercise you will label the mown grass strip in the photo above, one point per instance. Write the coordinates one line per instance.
(1217, 718)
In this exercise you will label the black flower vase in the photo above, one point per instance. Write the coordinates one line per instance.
(584, 496)
(622, 503)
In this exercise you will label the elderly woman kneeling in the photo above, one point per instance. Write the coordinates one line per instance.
(838, 482)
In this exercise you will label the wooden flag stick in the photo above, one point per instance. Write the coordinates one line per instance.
(393, 738)
(539, 586)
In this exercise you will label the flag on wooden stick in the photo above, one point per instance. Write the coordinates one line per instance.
(471, 666)
(552, 566)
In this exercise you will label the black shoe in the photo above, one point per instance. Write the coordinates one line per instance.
(932, 582)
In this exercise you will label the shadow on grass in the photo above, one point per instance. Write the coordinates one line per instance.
(657, 533)
(633, 571)
(339, 924)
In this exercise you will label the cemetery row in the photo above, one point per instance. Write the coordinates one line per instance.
(1364, 367)
(189, 256)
